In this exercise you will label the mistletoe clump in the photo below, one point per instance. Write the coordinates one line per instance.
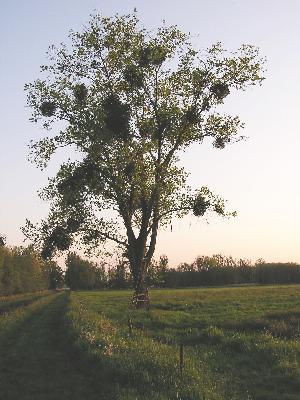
(61, 238)
(200, 206)
(191, 116)
(163, 123)
(133, 76)
(47, 108)
(47, 250)
(219, 142)
(220, 90)
(152, 54)
(80, 92)
(116, 117)
(73, 224)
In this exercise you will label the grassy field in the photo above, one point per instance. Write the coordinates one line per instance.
(238, 343)
(8, 303)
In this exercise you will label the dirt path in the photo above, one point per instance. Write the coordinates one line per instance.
(36, 363)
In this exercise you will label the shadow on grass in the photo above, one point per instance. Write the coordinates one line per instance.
(261, 354)
(282, 325)
(11, 305)
(37, 361)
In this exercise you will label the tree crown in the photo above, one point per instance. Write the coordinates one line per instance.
(129, 101)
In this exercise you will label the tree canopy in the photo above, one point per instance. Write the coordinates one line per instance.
(129, 101)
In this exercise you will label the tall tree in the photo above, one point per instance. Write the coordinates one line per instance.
(129, 101)
(54, 274)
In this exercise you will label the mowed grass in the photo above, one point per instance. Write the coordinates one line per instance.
(9, 303)
(239, 342)
(36, 360)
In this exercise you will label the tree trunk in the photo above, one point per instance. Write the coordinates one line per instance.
(141, 296)
(139, 261)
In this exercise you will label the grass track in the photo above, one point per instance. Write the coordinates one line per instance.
(10, 303)
(240, 343)
(35, 361)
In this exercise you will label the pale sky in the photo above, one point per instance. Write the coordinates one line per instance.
(259, 177)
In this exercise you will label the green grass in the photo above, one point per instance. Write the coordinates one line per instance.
(10, 303)
(239, 343)
(244, 341)
(36, 362)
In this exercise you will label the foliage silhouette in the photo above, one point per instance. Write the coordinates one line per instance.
(130, 101)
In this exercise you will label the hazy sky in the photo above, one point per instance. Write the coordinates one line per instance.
(259, 177)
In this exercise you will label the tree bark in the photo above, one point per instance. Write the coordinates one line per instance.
(139, 272)
(139, 257)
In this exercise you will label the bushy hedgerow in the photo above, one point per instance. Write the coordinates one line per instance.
(22, 271)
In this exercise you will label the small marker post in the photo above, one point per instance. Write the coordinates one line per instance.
(181, 359)
(129, 326)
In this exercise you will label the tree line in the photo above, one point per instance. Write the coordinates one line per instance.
(22, 270)
(217, 270)
(83, 274)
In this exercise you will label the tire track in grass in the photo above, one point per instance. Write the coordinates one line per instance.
(11, 303)
(35, 361)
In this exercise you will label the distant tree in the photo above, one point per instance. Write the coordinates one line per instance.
(129, 101)
(118, 276)
(21, 271)
(76, 276)
(101, 276)
(83, 274)
(54, 274)
(10, 279)
(157, 272)
(2, 241)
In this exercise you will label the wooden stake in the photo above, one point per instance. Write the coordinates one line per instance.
(130, 325)
(181, 358)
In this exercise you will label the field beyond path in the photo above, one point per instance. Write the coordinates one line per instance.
(239, 343)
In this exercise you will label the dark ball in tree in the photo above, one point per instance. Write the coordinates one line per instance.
(191, 116)
(129, 169)
(133, 76)
(159, 55)
(48, 109)
(80, 93)
(73, 224)
(220, 90)
(152, 54)
(200, 206)
(117, 117)
(219, 143)
(145, 56)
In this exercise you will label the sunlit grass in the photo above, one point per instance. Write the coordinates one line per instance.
(239, 343)
(243, 340)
